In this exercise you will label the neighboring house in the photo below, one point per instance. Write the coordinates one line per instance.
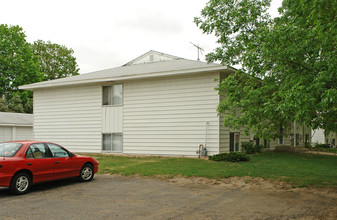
(318, 136)
(155, 104)
(331, 139)
(16, 126)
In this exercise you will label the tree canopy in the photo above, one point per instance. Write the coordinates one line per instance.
(289, 63)
(18, 64)
(56, 61)
(23, 63)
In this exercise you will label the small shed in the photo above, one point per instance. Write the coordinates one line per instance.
(16, 126)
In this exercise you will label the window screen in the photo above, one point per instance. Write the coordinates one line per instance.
(112, 142)
(113, 95)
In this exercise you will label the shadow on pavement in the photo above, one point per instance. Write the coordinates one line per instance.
(4, 192)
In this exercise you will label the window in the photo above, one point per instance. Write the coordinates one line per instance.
(333, 142)
(257, 140)
(266, 144)
(57, 151)
(38, 151)
(234, 142)
(281, 135)
(112, 142)
(298, 139)
(306, 138)
(113, 95)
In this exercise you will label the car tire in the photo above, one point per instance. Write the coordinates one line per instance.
(20, 183)
(87, 173)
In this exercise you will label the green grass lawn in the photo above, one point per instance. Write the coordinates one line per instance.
(330, 150)
(297, 169)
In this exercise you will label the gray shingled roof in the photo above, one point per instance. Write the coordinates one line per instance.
(9, 118)
(169, 67)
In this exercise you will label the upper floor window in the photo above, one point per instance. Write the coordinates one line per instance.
(113, 95)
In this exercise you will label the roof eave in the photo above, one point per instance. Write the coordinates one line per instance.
(129, 77)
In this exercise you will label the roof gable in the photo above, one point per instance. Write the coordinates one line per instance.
(151, 57)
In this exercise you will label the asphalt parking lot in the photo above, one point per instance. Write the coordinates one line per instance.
(118, 197)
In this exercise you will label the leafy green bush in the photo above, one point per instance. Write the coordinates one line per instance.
(308, 145)
(218, 157)
(322, 145)
(251, 148)
(230, 157)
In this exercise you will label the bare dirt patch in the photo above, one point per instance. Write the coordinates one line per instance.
(278, 189)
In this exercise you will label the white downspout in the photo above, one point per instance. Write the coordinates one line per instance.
(207, 123)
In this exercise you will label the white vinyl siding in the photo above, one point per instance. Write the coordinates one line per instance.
(5, 133)
(168, 115)
(16, 133)
(24, 133)
(112, 119)
(69, 116)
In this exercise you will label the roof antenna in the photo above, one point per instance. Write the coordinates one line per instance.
(198, 48)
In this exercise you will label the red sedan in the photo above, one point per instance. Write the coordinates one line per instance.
(23, 163)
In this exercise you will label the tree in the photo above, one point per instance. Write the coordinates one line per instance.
(15, 104)
(3, 105)
(289, 63)
(56, 61)
(18, 64)
(23, 63)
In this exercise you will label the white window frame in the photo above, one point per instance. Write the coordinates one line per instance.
(111, 95)
(111, 147)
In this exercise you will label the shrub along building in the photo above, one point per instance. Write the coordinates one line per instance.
(155, 104)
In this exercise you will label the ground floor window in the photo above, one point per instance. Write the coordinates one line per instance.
(281, 136)
(257, 140)
(266, 143)
(306, 138)
(234, 142)
(112, 142)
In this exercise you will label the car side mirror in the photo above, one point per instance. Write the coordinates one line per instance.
(71, 154)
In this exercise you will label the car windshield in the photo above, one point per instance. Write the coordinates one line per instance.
(9, 149)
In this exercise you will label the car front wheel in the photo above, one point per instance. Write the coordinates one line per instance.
(20, 184)
(87, 173)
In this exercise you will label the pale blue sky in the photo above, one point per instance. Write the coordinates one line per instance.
(109, 33)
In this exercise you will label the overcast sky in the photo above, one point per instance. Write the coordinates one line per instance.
(109, 33)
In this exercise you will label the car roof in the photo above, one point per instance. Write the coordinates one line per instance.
(27, 142)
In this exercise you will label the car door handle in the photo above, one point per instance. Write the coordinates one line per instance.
(57, 162)
(29, 164)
